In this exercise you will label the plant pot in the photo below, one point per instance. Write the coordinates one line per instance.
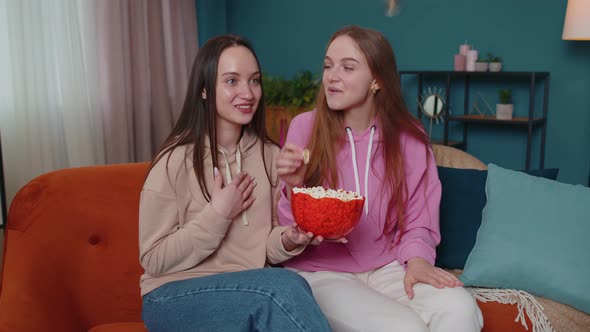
(495, 66)
(504, 111)
(278, 119)
(481, 66)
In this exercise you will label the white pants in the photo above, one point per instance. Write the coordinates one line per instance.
(376, 301)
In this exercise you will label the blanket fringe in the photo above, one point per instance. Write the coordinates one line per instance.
(526, 303)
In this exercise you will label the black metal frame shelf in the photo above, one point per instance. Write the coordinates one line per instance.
(476, 118)
(522, 74)
(530, 122)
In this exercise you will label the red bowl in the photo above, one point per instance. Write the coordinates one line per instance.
(329, 217)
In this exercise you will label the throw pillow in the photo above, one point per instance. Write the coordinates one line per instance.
(533, 237)
(463, 199)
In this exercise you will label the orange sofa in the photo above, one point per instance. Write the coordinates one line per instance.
(71, 254)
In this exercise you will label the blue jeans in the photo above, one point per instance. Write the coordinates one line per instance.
(269, 299)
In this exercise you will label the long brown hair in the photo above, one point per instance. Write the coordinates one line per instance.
(198, 118)
(394, 118)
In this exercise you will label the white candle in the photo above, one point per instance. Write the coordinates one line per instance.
(471, 59)
(463, 49)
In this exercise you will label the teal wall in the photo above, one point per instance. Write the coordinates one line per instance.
(211, 18)
(291, 35)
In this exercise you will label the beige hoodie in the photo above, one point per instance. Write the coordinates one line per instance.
(181, 236)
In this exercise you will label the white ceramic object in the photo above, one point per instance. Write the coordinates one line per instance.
(481, 66)
(470, 60)
(495, 66)
(504, 111)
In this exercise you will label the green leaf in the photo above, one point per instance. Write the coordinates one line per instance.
(299, 91)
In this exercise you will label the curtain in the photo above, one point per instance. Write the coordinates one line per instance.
(48, 106)
(146, 49)
(87, 82)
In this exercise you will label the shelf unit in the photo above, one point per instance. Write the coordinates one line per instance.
(530, 123)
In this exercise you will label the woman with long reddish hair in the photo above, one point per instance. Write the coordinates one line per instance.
(362, 138)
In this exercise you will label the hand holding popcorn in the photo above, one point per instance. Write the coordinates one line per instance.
(294, 237)
(291, 164)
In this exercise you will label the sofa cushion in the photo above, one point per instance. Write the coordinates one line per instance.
(533, 237)
(463, 199)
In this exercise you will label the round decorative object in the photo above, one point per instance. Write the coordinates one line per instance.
(326, 212)
(433, 106)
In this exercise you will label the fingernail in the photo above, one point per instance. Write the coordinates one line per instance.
(215, 171)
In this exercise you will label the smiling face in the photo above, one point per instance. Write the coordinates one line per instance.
(347, 78)
(238, 89)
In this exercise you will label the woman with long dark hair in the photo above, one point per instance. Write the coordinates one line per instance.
(206, 225)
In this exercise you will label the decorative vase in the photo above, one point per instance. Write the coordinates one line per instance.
(504, 111)
(481, 66)
(495, 66)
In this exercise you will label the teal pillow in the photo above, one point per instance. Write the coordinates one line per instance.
(533, 237)
(462, 201)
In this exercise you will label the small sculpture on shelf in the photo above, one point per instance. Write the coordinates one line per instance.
(487, 109)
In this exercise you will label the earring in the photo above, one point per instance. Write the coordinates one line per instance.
(374, 90)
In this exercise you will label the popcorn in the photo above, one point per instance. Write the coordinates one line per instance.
(305, 156)
(321, 192)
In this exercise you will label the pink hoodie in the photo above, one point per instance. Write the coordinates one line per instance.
(367, 249)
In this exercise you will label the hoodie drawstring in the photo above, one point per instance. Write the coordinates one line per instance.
(228, 175)
(367, 165)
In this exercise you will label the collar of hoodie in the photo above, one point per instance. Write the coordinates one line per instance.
(364, 135)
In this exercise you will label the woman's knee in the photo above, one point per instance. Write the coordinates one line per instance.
(458, 300)
(286, 281)
(452, 307)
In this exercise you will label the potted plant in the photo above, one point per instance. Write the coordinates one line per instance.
(505, 108)
(495, 63)
(285, 98)
(481, 64)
